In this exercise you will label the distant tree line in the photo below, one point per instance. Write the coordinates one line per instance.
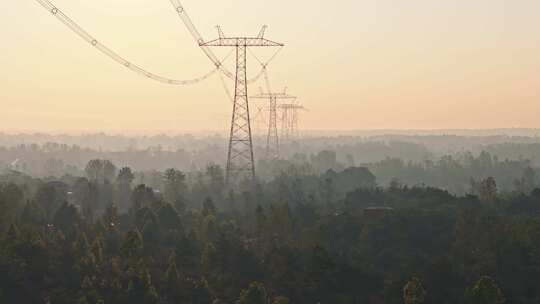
(513, 165)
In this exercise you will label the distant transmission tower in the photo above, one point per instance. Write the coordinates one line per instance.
(272, 138)
(289, 121)
(240, 160)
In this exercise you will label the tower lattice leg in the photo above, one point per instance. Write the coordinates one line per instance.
(272, 140)
(240, 162)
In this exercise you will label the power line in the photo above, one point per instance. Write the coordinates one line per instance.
(113, 55)
(81, 32)
(184, 16)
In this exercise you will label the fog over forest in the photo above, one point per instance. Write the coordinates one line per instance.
(354, 218)
(412, 157)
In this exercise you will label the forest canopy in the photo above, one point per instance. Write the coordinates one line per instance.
(339, 236)
(388, 219)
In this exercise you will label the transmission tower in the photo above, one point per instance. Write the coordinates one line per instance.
(289, 120)
(240, 161)
(240, 153)
(272, 138)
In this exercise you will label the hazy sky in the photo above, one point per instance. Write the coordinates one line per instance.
(356, 64)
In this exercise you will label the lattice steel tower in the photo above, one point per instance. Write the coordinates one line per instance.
(289, 121)
(240, 161)
(272, 138)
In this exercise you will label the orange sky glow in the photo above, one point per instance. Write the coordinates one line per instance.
(368, 64)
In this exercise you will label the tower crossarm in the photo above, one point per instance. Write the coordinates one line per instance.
(292, 106)
(273, 95)
(241, 41)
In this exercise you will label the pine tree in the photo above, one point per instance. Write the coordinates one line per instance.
(132, 245)
(208, 207)
(281, 300)
(486, 291)
(110, 217)
(168, 218)
(82, 246)
(209, 258)
(172, 277)
(254, 294)
(67, 219)
(413, 292)
(201, 292)
(97, 250)
(12, 234)
(151, 236)
(33, 214)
